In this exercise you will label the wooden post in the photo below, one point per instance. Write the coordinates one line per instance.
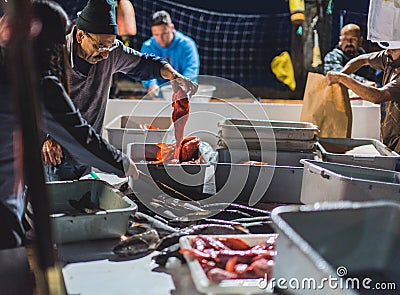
(297, 57)
(323, 26)
(23, 81)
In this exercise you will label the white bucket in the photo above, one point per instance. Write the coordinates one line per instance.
(203, 94)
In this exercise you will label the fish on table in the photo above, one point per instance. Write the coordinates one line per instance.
(143, 239)
(85, 205)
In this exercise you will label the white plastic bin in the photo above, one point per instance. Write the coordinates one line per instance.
(324, 181)
(344, 240)
(376, 154)
(267, 129)
(244, 180)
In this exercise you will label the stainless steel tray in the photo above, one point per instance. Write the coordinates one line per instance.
(249, 182)
(123, 130)
(266, 144)
(244, 181)
(324, 181)
(70, 225)
(280, 158)
(267, 129)
(187, 179)
(341, 240)
(333, 150)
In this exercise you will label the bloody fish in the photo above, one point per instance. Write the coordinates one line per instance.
(180, 115)
(232, 258)
(188, 151)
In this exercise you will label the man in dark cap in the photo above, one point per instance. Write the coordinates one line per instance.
(95, 55)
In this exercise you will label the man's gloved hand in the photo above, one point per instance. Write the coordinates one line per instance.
(51, 152)
(177, 80)
(186, 84)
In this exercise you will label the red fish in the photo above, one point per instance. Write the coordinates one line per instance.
(180, 115)
(147, 127)
(188, 151)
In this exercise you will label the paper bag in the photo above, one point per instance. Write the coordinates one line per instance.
(328, 107)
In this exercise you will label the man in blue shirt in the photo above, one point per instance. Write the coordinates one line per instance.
(179, 49)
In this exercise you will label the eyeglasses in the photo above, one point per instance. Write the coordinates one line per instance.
(100, 47)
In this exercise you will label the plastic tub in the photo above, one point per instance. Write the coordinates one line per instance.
(248, 182)
(324, 181)
(70, 225)
(374, 154)
(344, 240)
(187, 179)
(283, 158)
(267, 129)
(126, 129)
(270, 144)
(244, 180)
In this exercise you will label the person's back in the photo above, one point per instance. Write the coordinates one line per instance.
(349, 47)
(179, 49)
(12, 188)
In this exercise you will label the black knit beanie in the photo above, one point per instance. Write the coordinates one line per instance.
(98, 17)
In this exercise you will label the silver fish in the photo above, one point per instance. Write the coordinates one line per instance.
(139, 243)
(155, 223)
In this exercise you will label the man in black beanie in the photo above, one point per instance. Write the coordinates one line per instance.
(95, 55)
